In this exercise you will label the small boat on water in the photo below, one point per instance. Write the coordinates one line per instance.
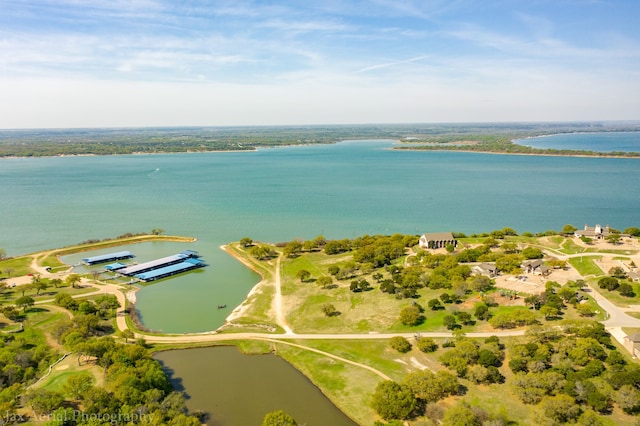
(222, 306)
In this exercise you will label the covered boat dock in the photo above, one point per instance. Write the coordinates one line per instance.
(163, 267)
(110, 257)
(167, 271)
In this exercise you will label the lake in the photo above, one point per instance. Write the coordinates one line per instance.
(341, 191)
(237, 389)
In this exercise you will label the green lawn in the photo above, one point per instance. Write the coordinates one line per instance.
(586, 266)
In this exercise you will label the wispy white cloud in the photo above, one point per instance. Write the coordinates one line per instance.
(391, 64)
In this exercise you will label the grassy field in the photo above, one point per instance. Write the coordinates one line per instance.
(586, 265)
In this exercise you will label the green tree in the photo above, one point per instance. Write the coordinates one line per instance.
(303, 275)
(400, 344)
(3, 254)
(449, 321)
(392, 400)
(278, 418)
(411, 315)
(246, 242)
(292, 249)
(569, 229)
(460, 415)
(324, 281)
(329, 310)
(25, 302)
(628, 398)
(126, 335)
(44, 401)
(78, 385)
(426, 344)
(73, 280)
(634, 231)
(618, 272)
(56, 282)
(560, 408)
(614, 238)
(549, 312)
(434, 304)
(532, 253)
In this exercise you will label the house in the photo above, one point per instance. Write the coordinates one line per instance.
(437, 240)
(596, 232)
(632, 344)
(535, 267)
(634, 276)
(488, 269)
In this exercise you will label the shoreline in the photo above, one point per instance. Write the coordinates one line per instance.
(242, 308)
(471, 151)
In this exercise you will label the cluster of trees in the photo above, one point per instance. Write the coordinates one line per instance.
(21, 361)
(579, 371)
(135, 387)
(393, 400)
(616, 282)
(104, 306)
(474, 361)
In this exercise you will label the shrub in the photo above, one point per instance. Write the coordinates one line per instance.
(400, 344)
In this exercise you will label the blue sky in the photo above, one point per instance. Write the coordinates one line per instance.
(103, 63)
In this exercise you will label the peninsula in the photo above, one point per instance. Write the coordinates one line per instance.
(478, 137)
(527, 321)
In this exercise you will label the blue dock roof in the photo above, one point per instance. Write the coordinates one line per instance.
(188, 264)
(159, 263)
(114, 266)
(108, 257)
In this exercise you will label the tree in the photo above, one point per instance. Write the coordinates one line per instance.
(157, 231)
(480, 283)
(569, 229)
(614, 238)
(126, 335)
(465, 318)
(57, 282)
(44, 401)
(434, 304)
(549, 312)
(64, 300)
(73, 279)
(392, 400)
(560, 408)
(324, 281)
(460, 415)
(3, 254)
(618, 272)
(532, 253)
(292, 249)
(329, 310)
(78, 385)
(411, 315)
(628, 398)
(481, 311)
(449, 321)
(400, 344)
(634, 231)
(584, 310)
(333, 270)
(278, 418)
(40, 285)
(10, 312)
(303, 275)
(426, 344)
(25, 302)
(609, 283)
(246, 242)
(626, 290)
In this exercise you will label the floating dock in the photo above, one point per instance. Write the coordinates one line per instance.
(163, 267)
(107, 258)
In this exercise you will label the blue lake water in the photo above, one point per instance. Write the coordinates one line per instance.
(341, 190)
(597, 142)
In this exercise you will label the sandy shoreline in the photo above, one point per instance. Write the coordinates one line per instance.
(240, 310)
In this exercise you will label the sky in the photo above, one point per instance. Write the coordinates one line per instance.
(137, 63)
